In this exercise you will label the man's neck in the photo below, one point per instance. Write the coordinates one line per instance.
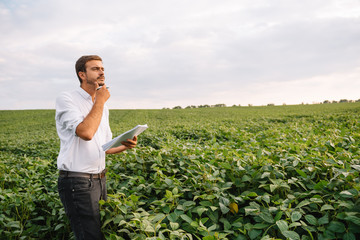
(90, 90)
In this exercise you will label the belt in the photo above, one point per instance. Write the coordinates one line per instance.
(63, 173)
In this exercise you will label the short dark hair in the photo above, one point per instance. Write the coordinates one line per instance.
(81, 62)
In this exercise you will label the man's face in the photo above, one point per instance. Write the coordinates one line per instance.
(94, 72)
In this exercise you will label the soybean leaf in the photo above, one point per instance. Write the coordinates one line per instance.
(323, 220)
(303, 203)
(59, 226)
(174, 225)
(321, 185)
(278, 216)
(200, 210)
(224, 209)
(267, 217)
(254, 233)
(326, 207)
(311, 219)
(336, 226)
(295, 224)
(282, 225)
(349, 236)
(212, 228)
(346, 194)
(353, 219)
(301, 173)
(295, 216)
(291, 235)
(260, 226)
(186, 218)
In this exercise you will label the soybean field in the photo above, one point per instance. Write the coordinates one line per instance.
(272, 172)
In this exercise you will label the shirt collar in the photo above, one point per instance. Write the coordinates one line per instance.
(84, 94)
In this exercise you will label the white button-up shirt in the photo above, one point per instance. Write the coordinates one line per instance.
(75, 153)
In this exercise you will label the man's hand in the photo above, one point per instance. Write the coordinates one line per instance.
(87, 128)
(129, 144)
(102, 94)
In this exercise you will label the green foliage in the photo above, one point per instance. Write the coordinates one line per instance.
(274, 172)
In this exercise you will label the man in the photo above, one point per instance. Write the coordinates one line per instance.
(82, 123)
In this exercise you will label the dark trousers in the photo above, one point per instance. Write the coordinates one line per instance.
(80, 198)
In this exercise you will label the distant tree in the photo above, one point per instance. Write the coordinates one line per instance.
(177, 107)
(191, 106)
(326, 102)
(250, 105)
(334, 101)
(203, 106)
(220, 105)
(344, 101)
(357, 100)
(271, 104)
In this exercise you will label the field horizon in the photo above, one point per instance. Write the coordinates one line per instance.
(326, 102)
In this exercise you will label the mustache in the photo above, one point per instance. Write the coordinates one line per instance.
(101, 78)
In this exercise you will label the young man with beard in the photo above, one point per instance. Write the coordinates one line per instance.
(82, 123)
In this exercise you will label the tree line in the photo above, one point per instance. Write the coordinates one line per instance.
(250, 105)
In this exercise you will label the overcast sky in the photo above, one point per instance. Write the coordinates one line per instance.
(166, 53)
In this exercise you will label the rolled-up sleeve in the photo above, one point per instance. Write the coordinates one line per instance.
(68, 116)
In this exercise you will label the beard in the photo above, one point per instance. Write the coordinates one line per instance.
(100, 80)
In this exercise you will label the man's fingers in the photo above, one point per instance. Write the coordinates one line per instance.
(130, 143)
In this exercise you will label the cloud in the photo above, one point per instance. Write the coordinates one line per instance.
(167, 53)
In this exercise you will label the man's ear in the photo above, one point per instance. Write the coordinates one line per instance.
(81, 75)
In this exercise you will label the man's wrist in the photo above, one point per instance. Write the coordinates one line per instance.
(99, 101)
